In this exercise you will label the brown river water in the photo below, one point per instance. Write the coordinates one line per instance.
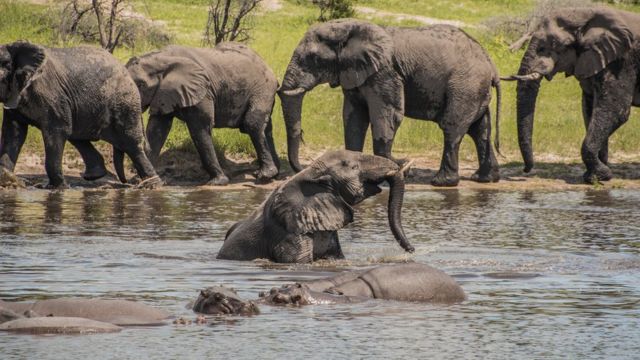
(548, 275)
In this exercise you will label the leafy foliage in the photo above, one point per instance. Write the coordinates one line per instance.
(229, 20)
(334, 9)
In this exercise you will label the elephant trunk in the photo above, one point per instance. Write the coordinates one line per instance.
(295, 84)
(118, 163)
(396, 195)
(527, 91)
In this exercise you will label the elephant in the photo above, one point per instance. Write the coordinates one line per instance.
(601, 48)
(401, 282)
(298, 222)
(228, 86)
(80, 94)
(430, 73)
(117, 312)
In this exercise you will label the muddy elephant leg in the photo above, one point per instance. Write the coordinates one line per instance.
(480, 132)
(14, 134)
(268, 134)
(326, 245)
(200, 124)
(158, 129)
(255, 124)
(611, 108)
(355, 115)
(587, 113)
(93, 161)
(294, 249)
(53, 151)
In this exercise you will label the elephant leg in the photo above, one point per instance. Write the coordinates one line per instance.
(199, 126)
(14, 134)
(53, 150)
(93, 160)
(268, 134)
(480, 132)
(355, 115)
(611, 109)
(255, 124)
(326, 245)
(294, 249)
(158, 129)
(587, 113)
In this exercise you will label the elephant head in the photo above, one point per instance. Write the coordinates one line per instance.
(320, 198)
(340, 52)
(167, 83)
(220, 300)
(579, 42)
(20, 64)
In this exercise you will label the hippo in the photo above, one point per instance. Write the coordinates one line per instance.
(58, 325)
(401, 282)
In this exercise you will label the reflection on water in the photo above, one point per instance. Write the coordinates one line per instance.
(548, 274)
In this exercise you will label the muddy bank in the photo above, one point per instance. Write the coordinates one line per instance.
(183, 169)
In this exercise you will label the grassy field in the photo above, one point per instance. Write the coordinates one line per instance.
(558, 129)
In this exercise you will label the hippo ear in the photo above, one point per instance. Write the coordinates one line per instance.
(309, 205)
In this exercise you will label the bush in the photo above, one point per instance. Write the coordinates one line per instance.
(334, 9)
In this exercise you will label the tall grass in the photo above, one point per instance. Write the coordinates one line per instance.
(558, 130)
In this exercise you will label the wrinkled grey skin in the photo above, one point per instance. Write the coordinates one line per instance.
(401, 282)
(298, 222)
(221, 300)
(228, 86)
(79, 94)
(118, 312)
(601, 48)
(434, 73)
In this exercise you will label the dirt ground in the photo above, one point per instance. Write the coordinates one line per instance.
(182, 169)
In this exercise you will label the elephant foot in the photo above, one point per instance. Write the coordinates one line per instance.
(441, 179)
(219, 180)
(150, 183)
(601, 173)
(266, 174)
(492, 176)
(54, 186)
(94, 173)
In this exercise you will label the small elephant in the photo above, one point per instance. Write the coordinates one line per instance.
(228, 86)
(117, 312)
(80, 94)
(601, 48)
(298, 222)
(430, 73)
(401, 282)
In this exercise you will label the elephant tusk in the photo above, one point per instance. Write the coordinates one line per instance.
(402, 170)
(530, 77)
(294, 92)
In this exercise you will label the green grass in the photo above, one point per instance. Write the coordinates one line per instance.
(558, 130)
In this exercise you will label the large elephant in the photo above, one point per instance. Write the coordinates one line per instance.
(228, 86)
(601, 48)
(401, 282)
(298, 222)
(79, 94)
(431, 73)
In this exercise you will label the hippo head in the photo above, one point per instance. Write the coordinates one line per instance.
(294, 294)
(220, 300)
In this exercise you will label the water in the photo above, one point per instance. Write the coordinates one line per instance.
(548, 275)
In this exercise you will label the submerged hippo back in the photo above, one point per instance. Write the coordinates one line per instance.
(407, 282)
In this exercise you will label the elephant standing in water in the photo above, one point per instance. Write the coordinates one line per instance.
(431, 73)
(400, 282)
(601, 48)
(298, 222)
(228, 86)
(80, 94)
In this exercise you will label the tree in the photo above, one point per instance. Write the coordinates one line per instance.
(229, 20)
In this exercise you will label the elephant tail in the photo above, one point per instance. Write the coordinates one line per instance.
(118, 163)
(496, 140)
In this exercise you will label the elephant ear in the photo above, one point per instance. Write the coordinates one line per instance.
(184, 83)
(27, 60)
(605, 38)
(309, 206)
(367, 49)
